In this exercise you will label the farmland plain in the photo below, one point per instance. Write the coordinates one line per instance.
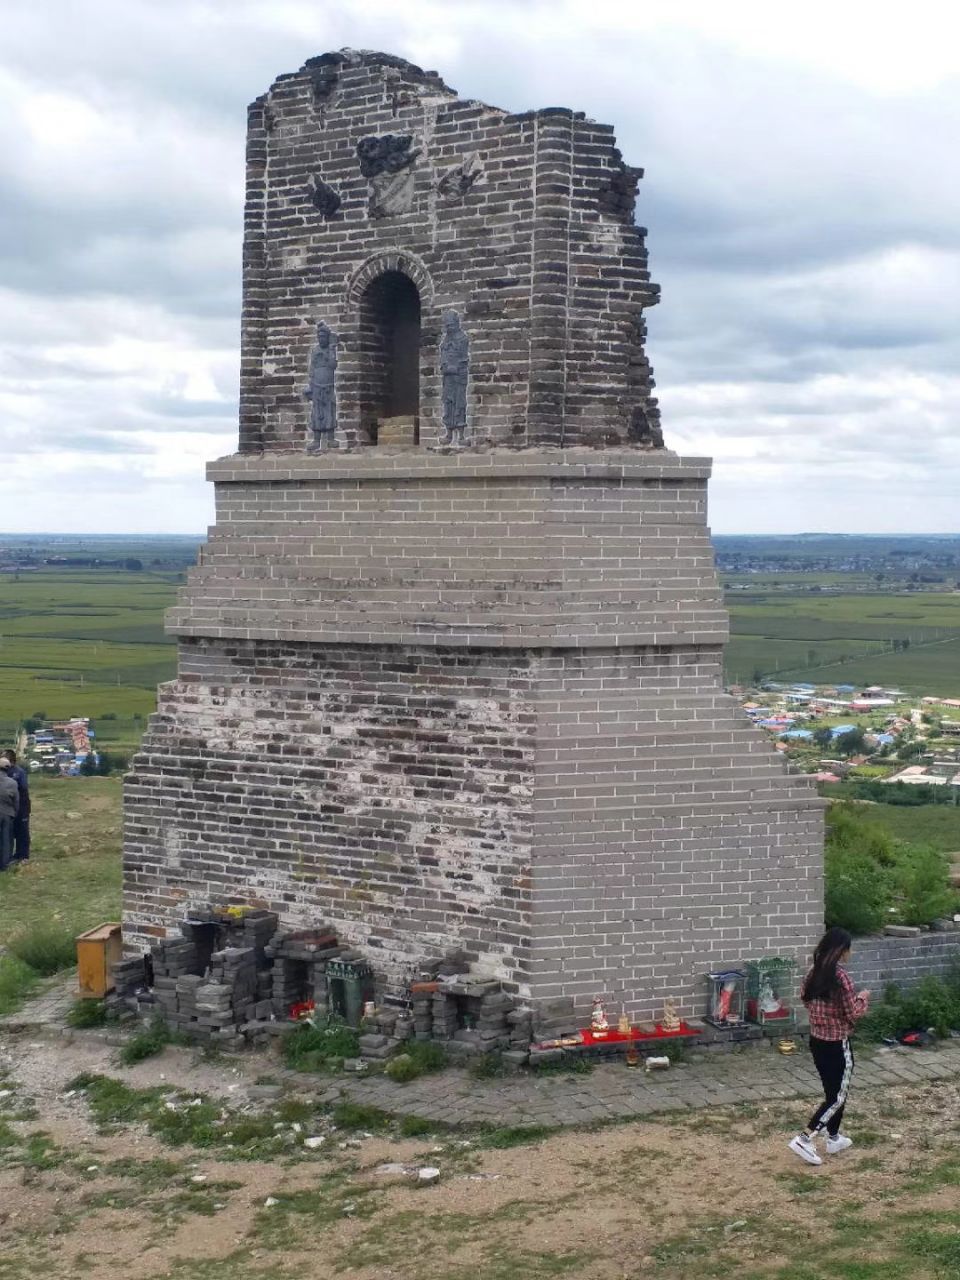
(906, 638)
(81, 636)
(85, 642)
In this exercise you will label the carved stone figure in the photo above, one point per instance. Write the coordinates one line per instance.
(454, 367)
(321, 390)
(323, 197)
(645, 428)
(670, 1021)
(598, 1018)
(387, 162)
(458, 180)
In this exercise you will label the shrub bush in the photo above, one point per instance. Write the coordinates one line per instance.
(402, 1068)
(869, 874)
(857, 893)
(920, 885)
(932, 1003)
(46, 948)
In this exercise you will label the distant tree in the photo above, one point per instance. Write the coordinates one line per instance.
(757, 677)
(823, 736)
(39, 715)
(133, 563)
(88, 765)
(848, 744)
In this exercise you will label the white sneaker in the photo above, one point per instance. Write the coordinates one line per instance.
(804, 1148)
(839, 1143)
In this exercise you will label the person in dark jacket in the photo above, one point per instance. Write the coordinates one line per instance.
(9, 807)
(21, 824)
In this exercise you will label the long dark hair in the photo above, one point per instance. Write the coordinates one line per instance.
(821, 982)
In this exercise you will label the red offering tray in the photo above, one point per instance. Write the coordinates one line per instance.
(782, 1012)
(619, 1037)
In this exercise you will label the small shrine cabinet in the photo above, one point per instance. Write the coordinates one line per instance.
(98, 950)
(349, 987)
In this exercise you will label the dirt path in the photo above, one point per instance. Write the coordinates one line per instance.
(703, 1193)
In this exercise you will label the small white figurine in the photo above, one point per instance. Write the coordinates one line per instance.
(768, 1002)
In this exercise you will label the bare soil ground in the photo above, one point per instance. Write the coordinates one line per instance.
(96, 1183)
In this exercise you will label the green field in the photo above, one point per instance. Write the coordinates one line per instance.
(937, 825)
(848, 639)
(85, 642)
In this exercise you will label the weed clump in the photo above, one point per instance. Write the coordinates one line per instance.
(47, 948)
(17, 980)
(88, 1013)
(146, 1043)
(427, 1056)
(356, 1115)
(414, 1127)
(487, 1066)
(320, 1044)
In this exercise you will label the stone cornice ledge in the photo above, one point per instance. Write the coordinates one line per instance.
(415, 464)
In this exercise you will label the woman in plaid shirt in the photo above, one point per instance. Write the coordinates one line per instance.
(834, 1007)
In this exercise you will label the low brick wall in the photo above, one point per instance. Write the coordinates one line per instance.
(875, 962)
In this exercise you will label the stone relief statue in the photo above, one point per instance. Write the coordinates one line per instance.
(454, 367)
(458, 180)
(645, 427)
(323, 197)
(321, 390)
(387, 163)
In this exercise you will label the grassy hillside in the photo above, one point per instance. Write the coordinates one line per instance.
(73, 874)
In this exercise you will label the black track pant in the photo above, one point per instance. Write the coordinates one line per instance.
(834, 1060)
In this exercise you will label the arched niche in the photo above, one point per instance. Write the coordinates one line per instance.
(389, 325)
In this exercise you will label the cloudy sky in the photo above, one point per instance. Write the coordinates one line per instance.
(801, 191)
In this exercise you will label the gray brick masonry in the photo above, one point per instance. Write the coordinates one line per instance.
(465, 698)
(875, 962)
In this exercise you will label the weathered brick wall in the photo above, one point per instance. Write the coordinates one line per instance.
(541, 547)
(467, 698)
(875, 962)
(539, 256)
(570, 599)
(668, 840)
(385, 790)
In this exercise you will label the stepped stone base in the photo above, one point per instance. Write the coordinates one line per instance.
(472, 701)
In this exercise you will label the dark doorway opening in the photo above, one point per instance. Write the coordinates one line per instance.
(389, 353)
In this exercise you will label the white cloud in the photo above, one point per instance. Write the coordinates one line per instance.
(801, 197)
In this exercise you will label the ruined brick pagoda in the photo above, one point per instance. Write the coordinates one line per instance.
(450, 664)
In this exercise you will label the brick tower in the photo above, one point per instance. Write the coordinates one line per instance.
(450, 664)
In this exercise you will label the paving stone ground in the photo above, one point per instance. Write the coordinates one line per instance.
(611, 1091)
(48, 1008)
